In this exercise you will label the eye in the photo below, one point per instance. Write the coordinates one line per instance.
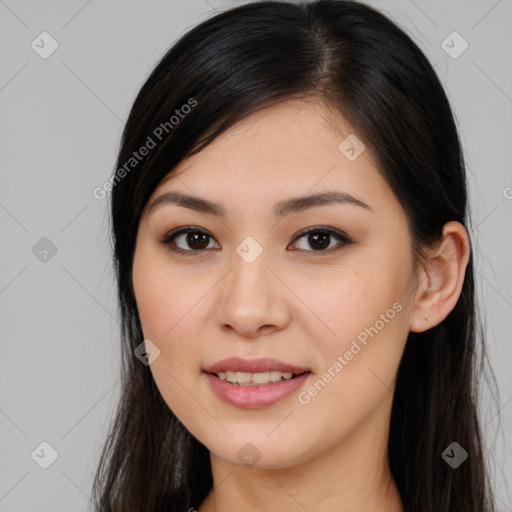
(320, 238)
(197, 240)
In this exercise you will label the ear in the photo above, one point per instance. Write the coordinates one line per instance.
(441, 278)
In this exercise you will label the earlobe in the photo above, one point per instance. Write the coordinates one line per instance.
(442, 278)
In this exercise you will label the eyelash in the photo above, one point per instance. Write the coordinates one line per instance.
(169, 238)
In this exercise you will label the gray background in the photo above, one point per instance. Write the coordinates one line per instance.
(62, 119)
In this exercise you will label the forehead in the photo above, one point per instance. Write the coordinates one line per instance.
(287, 150)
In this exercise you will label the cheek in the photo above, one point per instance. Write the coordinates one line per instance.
(169, 319)
(157, 304)
(359, 360)
(173, 308)
(362, 294)
(366, 313)
(163, 297)
(166, 306)
(168, 310)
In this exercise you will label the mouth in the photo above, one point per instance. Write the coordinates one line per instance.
(247, 390)
(259, 368)
(255, 383)
(257, 379)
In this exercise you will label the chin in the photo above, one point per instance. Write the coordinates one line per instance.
(259, 454)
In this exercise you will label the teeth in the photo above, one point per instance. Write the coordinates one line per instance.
(251, 379)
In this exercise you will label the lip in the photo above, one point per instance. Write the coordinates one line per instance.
(255, 397)
(264, 364)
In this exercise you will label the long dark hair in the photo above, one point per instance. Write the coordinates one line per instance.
(361, 65)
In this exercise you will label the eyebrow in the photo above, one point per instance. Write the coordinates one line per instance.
(281, 209)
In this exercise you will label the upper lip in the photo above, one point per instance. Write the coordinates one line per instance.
(264, 364)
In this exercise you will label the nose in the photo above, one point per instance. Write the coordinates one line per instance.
(254, 302)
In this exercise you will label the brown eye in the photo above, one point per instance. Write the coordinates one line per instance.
(196, 240)
(192, 240)
(320, 239)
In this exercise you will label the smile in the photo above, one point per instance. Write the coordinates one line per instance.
(254, 379)
(254, 395)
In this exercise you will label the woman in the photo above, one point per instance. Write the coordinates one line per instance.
(295, 275)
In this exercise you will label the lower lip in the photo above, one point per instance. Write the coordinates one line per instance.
(255, 397)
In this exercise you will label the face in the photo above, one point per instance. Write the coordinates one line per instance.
(248, 281)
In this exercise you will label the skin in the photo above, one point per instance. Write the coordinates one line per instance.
(294, 303)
